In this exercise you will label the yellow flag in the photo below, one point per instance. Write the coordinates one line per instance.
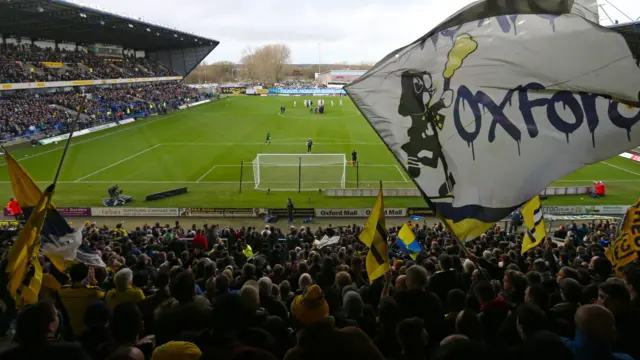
(30, 294)
(26, 247)
(374, 235)
(59, 262)
(534, 224)
(24, 188)
(624, 249)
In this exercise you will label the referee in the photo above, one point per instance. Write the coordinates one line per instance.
(354, 157)
(309, 145)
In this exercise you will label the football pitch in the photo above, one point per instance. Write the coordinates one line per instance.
(203, 147)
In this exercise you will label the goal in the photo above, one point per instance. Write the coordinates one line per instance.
(292, 172)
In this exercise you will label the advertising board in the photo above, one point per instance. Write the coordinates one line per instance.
(216, 212)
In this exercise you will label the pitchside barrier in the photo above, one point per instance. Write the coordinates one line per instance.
(552, 213)
(373, 192)
(110, 125)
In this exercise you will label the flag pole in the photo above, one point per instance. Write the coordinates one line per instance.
(66, 145)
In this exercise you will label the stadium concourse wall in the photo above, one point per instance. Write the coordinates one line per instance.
(57, 84)
(561, 213)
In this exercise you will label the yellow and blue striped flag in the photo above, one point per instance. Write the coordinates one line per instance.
(407, 241)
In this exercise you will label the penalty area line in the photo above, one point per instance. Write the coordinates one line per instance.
(207, 173)
(402, 174)
(118, 162)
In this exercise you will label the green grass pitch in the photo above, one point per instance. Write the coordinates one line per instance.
(202, 148)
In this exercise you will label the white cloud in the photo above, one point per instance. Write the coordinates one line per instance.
(347, 30)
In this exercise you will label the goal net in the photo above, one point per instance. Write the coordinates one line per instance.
(310, 171)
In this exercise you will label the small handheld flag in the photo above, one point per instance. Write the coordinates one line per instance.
(534, 224)
(407, 241)
(374, 235)
(624, 249)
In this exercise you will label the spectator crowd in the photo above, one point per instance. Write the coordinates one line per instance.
(170, 292)
(299, 84)
(24, 113)
(21, 63)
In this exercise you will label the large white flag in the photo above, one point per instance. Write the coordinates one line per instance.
(498, 102)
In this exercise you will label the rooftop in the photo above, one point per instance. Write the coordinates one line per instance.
(67, 22)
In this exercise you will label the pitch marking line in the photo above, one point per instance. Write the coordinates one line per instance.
(118, 162)
(74, 143)
(402, 174)
(621, 168)
(207, 173)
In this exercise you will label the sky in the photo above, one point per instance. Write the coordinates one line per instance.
(332, 31)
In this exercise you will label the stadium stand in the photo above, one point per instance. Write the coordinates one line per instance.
(51, 54)
(27, 113)
(27, 63)
(24, 113)
(166, 50)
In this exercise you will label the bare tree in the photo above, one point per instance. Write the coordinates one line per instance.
(281, 55)
(218, 72)
(266, 63)
(250, 63)
(222, 71)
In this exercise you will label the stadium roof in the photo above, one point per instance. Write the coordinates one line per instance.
(631, 33)
(64, 21)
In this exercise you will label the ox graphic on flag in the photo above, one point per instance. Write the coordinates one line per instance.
(498, 102)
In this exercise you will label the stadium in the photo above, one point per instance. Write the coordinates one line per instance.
(182, 149)
(153, 141)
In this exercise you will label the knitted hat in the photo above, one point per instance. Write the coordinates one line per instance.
(310, 306)
(177, 350)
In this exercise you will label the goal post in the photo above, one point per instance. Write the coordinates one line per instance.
(291, 172)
